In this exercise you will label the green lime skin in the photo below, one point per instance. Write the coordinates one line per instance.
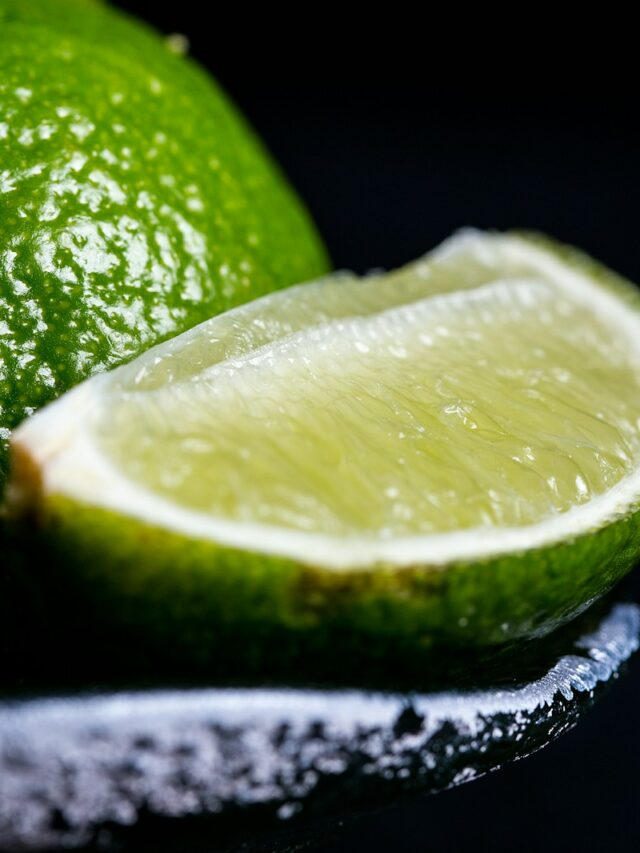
(134, 201)
(152, 602)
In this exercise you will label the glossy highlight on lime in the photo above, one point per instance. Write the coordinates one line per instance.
(134, 201)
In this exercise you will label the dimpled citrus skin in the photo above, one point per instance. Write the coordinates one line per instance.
(134, 202)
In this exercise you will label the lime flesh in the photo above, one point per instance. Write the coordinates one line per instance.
(488, 407)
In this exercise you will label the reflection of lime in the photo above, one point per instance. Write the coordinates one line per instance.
(134, 202)
(256, 753)
(448, 453)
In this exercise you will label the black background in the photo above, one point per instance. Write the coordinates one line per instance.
(397, 128)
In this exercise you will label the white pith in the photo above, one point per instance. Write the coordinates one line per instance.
(71, 465)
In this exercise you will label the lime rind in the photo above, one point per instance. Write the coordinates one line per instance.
(191, 596)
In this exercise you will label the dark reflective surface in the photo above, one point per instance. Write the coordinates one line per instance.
(224, 766)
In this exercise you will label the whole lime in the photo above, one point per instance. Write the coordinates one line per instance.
(134, 201)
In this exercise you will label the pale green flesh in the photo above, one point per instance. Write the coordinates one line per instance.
(462, 392)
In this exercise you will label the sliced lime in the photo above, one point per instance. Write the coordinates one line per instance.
(446, 453)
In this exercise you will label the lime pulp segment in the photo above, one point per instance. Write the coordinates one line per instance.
(483, 387)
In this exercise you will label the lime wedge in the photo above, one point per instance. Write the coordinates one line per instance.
(448, 453)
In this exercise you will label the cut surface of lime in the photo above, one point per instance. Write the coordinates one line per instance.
(478, 404)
